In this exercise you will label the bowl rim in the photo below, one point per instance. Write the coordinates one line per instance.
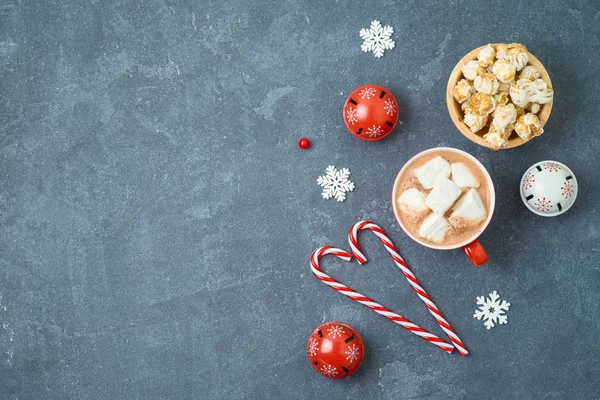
(492, 203)
(456, 117)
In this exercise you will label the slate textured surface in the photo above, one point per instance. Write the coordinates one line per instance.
(156, 216)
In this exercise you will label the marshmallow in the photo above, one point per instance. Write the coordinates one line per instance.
(434, 228)
(462, 176)
(469, 210)
(431, 170)
(412, 201)
(443, 195)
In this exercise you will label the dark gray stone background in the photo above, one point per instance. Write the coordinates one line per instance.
(157, 217)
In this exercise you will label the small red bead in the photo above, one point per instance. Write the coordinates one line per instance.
(304, 143)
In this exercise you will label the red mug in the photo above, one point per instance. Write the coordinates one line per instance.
(472, 247)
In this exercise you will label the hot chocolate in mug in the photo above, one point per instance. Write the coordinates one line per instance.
(469, 184)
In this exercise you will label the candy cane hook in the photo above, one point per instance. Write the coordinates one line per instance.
(367, 302)
(389, 246)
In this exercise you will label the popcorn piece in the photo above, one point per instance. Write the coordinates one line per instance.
(504, 86)
(502, 97)
(463, 91)
(543, 96)
(475, 122)
(529, 72)
(534, 108)
(528, 126)
(462, 176)
(486, 83)
(497, 139)
(434, 228)
(504, 71)
(471, 69)
(533, 87)
(518, 93)
(514, 53)
(412, 201)
(480, 104)
(486, 56)
(432, 170)
(503, 116)
(468, 211)
(443, 195)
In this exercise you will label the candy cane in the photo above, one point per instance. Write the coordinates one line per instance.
(389, 246)
(378, 308)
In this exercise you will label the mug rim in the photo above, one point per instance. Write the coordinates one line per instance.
(492, 202)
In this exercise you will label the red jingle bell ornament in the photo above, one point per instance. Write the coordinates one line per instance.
(335, 350)
(371, 112)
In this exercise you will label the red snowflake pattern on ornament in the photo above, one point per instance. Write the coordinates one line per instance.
(543, 204)
(567, 189)
(528, 181)
(551, 167)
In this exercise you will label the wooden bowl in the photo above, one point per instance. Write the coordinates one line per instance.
(456, 113)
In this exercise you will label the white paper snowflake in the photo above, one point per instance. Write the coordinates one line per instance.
(351, 116)
(335, 183)
(335, 331)
(353, 353)
(377, 39)
(491, 310)
(313, 347)
(374, 131)
(329, 371)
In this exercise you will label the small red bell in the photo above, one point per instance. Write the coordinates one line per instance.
(371, 112)
(335, 350)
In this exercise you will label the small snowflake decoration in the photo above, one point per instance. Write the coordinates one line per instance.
(377, 39)
(313, 347)
(543, 204)
(335, 183)
(335, 331)
(389, 107)
(329, 370)
(551, 167)
(492, 310)
(567, 189)
(353, 353)
(367, 93)
(352, 116)
(528, 181)
(374, 131)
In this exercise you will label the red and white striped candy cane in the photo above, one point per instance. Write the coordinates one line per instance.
(378, 308)
(389, 246)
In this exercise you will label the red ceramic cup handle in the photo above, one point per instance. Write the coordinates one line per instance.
(476, 253)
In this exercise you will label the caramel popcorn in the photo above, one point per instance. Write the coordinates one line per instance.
(471, 69)
(501, 93)
(504, 71)
(475, 122)
(504, 115)
(463, 91)
(514, 53)
(528, 126)
(529, 72)
(486, 56)
(480, 104)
